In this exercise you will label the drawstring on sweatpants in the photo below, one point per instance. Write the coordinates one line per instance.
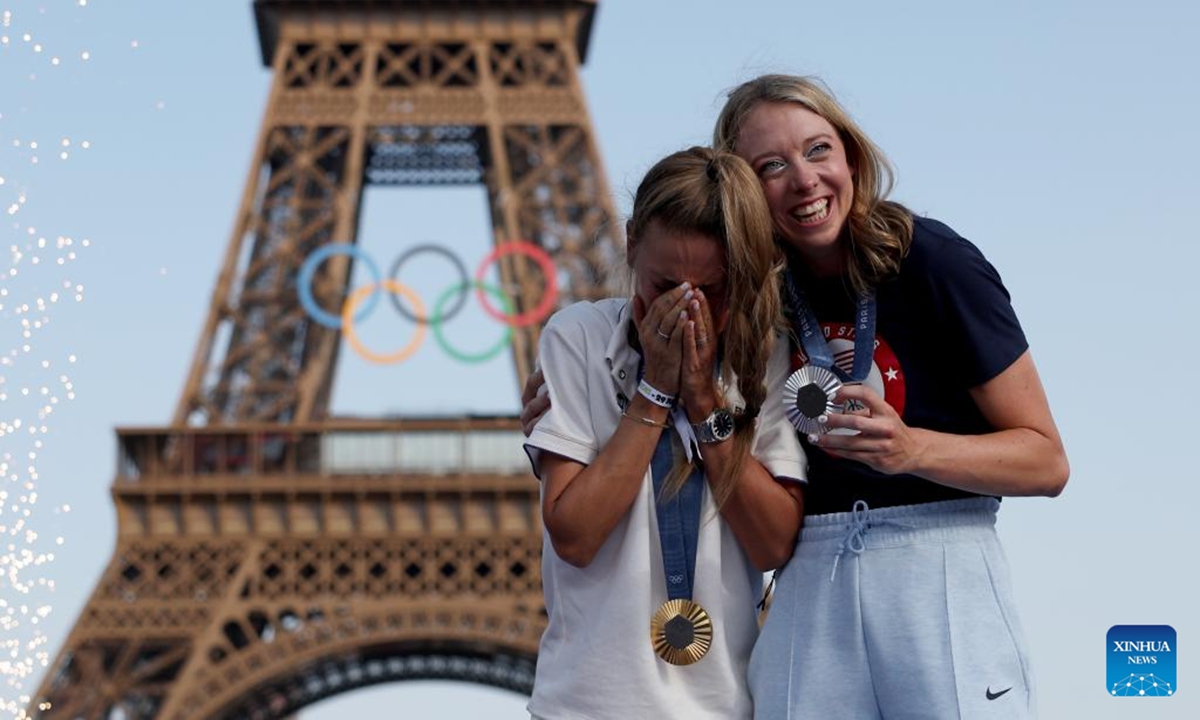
(856, 532)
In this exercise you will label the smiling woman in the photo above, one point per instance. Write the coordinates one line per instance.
(805, 175)
(928, 407)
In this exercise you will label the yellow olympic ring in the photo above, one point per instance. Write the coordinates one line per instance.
(352, 302)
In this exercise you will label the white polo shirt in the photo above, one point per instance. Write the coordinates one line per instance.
(595, 660)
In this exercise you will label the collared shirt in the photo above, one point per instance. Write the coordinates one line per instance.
(595, 659)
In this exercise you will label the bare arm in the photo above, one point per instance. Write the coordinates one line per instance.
(581, 504)
(1024, 456)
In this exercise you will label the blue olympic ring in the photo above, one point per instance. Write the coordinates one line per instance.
(309, 269)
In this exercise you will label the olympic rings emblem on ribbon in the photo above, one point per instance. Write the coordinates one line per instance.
(361, 302)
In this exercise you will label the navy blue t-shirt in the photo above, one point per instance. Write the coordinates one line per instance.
(944, 324)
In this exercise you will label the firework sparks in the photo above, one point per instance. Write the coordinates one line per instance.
(36, 284)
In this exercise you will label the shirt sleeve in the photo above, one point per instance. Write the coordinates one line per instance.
(975, 307)
(565, 429)
(775, 444)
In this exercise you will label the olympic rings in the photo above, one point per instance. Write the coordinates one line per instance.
(549, 295)
(462, 272)
(461, 356)
(309, 268)
(348, 323)
(351, 311)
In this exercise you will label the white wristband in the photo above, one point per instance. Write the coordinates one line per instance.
(657, 397)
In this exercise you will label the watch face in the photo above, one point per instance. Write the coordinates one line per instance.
(722, 423)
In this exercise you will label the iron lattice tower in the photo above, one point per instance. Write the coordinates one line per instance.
(269, 556)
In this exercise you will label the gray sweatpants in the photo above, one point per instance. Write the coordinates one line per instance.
(894, 614)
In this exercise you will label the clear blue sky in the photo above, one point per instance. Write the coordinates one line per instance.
(1058, 136)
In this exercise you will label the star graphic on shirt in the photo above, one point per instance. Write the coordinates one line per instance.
(892, 374)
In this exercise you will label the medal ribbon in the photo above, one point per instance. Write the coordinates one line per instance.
(679, 517)
(813, 339)
(678, 521)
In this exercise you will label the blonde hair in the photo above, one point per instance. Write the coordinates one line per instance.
(879, 230)
(716, 194)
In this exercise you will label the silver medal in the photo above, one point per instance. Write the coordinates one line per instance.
(807, 395)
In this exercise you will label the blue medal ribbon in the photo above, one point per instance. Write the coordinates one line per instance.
(678, 521)
(678, 517)
(813, 339)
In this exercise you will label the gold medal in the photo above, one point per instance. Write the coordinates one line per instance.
(681, 631)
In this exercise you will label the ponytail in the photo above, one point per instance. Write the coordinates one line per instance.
(716, 193)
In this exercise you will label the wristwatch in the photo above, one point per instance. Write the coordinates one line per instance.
(717, 427)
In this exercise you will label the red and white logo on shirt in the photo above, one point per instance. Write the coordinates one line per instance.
(886, 376)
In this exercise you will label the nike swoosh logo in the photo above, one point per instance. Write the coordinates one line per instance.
(992, 696)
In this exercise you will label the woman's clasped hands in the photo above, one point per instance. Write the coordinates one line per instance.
(678, 338)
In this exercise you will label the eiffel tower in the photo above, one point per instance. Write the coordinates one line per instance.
(268, 555)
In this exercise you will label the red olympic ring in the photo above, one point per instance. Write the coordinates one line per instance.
(542, 258)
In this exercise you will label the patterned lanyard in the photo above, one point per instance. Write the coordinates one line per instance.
(813, 339)
(678, 521)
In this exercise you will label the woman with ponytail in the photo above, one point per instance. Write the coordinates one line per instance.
(669, 480)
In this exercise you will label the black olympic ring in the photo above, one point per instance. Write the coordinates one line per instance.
(462, 271)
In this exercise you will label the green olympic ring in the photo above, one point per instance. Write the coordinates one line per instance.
(454, 352)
